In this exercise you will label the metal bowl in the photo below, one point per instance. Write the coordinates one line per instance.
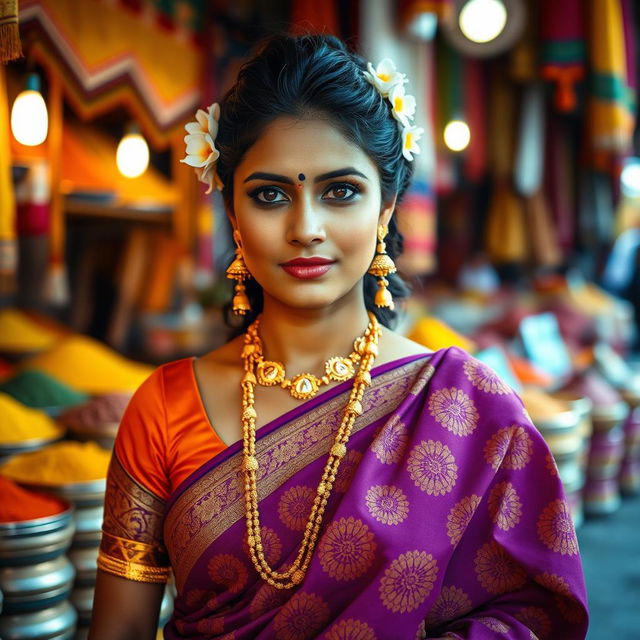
(82, 494)
(27, 446)
(82, 600)
(88, 526)
(54, 623)
(36, 586)
(37, 525)
(607, 416)
(560, 423)
(85, 560)
(36, 541)
(166, 607)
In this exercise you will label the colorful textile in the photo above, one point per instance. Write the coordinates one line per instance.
(10, 47)
(109, 55)
(447, 516)
(563, 51)
(612, 103)
(314, 17)
(8, 245)
(417, 223)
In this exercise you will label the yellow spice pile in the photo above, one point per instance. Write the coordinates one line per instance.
(19, 423)
(59, 464)
(89, 366)
(19, 333)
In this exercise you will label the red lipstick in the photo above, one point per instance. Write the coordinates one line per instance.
(307, 268)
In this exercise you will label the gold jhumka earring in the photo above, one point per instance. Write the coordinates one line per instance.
(238, 271)
(381, 267)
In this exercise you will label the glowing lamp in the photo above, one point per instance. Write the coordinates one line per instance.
(132, 156)
(482, 20)
(29, 118)
(457, 135)
(630, 177)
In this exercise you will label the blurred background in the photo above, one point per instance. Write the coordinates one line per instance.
(522, 245)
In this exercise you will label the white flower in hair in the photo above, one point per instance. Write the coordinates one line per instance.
(202, 153)
(385, 76)
(403, 105)
(410, 137)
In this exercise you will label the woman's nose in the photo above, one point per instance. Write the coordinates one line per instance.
(306, 224)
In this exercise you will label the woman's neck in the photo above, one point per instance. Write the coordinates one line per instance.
(303, 339)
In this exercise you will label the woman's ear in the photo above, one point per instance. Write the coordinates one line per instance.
(233, 222)
(387, 211)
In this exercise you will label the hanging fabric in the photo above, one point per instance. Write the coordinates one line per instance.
(561, 159)
(506, 236)
(10, 47)
(475, 99)
(379, 38)
(563, 52)
(144, 56)
(528, 172)
(8, 246)
(611, 107)
(523, 58)
(315, 17)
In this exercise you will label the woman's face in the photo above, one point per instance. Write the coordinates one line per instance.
(307, 206)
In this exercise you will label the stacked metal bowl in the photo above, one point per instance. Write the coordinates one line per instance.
(36, 578)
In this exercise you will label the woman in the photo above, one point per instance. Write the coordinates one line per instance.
(395, 493)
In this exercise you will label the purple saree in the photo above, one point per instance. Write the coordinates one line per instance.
(447, 519)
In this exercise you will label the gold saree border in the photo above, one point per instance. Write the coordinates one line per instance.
(216, 501)
(131, 545)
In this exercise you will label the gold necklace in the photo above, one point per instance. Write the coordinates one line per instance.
(270, 373)
(367, 349)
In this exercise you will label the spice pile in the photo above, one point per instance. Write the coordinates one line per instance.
(19, 333)
(38, 389)
(19, 505)
(59, 464)
(21, 424)
(89, 366)
(101, 414)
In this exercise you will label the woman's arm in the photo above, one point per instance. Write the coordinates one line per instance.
(124, 609)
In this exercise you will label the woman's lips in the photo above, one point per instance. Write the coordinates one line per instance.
(307, 269)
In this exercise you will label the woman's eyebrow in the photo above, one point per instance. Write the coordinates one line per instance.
(347, 171)
(273, 177)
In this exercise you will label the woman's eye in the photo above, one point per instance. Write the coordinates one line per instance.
(269, 195)
(342, 191)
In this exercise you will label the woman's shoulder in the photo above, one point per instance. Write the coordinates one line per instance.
(394, 346)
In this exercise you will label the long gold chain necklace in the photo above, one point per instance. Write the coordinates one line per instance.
(367, 349)
(270, 373)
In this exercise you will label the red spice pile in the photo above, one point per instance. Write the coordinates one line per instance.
(18, 505)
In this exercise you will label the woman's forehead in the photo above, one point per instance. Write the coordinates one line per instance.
(312, 146)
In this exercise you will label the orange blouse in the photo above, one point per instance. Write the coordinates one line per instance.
(165, 434)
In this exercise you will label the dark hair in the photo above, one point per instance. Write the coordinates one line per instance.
(301, 76)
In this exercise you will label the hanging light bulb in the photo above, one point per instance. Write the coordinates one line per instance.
(457, 135)
(132, 156)
(630, 177)
(29, 118)
(482, 20)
